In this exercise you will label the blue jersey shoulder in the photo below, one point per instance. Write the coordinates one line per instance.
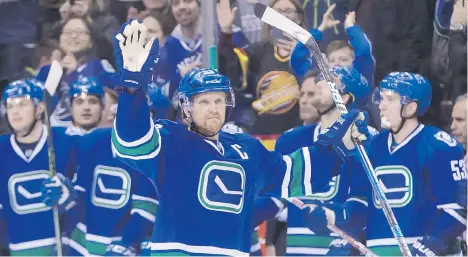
(437, 140)
(295, 138)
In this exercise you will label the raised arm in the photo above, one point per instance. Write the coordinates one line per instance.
(135, 139)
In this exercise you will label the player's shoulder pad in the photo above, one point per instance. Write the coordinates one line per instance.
(232, 132)
(166, 127)
(4, 140)
(439, 140)
(299, 130)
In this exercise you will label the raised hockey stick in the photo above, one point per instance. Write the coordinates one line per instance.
(275, 19)
(51, 84)
(333, 228)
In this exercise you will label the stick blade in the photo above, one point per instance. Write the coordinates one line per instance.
(259, 10)
(53, 78)
(277, 20)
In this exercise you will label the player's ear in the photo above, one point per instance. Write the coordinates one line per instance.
(410, 109)
(346, 99)
(39, 110)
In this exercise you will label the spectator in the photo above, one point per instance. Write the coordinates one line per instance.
(160, 8)
(266, 89)
(246, 21)
(18, 37)
(307, 111)
(157, 25)
(315, 9)
(77, 57)
(457, 50)
(93, 11)
(459, 116)
(355, 54)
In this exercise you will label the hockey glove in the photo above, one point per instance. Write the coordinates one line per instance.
(429, 246)
(340, 135)
(137, 58)
(58, 190)
(118, 249)
(329, 213)
(316, 219)
(341, 247)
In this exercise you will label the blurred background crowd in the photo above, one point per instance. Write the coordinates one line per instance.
(268, 69)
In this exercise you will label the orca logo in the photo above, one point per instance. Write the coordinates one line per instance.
(222, 186)
(111, 187)
(396, 182)
(25, 192)
(446, 138)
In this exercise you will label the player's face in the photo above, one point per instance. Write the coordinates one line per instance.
(307, 110)
(458, 126)
(209, 111)
(185, 12)
(341, 57)
(322, 99)
(154, 4)
(154, 29)
(390, 109)
(21, 113)
(287, 8)
(86, 111)
(75, 36)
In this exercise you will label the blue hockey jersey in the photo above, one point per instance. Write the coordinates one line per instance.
(215, 182)
(419, 177)
(30, 221)
(119, 202)
(300, 240)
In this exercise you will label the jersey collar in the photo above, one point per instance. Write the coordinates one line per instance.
(37, 149)
(407, 139)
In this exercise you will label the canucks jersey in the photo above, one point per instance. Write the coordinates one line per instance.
(119, 203)
(419, 177)
(30, 221)
(213, 181)
(300, 240)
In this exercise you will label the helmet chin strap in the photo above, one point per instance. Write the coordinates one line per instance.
(402, 123)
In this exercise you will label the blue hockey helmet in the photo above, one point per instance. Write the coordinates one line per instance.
(31, 88)
(353, 83)
(87, 86)
(198, 81)
(411, 87)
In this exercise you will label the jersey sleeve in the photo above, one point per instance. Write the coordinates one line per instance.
(445, 172)
(144, 206)
(296, 174)
(135, 138)
(363, 62)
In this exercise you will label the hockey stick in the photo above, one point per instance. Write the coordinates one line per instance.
(333, 228)
(51, 84)
(275, 19)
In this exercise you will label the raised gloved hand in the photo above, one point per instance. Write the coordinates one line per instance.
(135, 58)
(348, 127)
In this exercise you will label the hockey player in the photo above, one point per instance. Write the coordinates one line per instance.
(213, 176)
(116, 204)
(86, 100)
(25, 166)
(355, 91)
(419, 168)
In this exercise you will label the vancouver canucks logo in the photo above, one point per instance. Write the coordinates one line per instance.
(222, 186)
(111, 187)
(25, 194)
(396, 182)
